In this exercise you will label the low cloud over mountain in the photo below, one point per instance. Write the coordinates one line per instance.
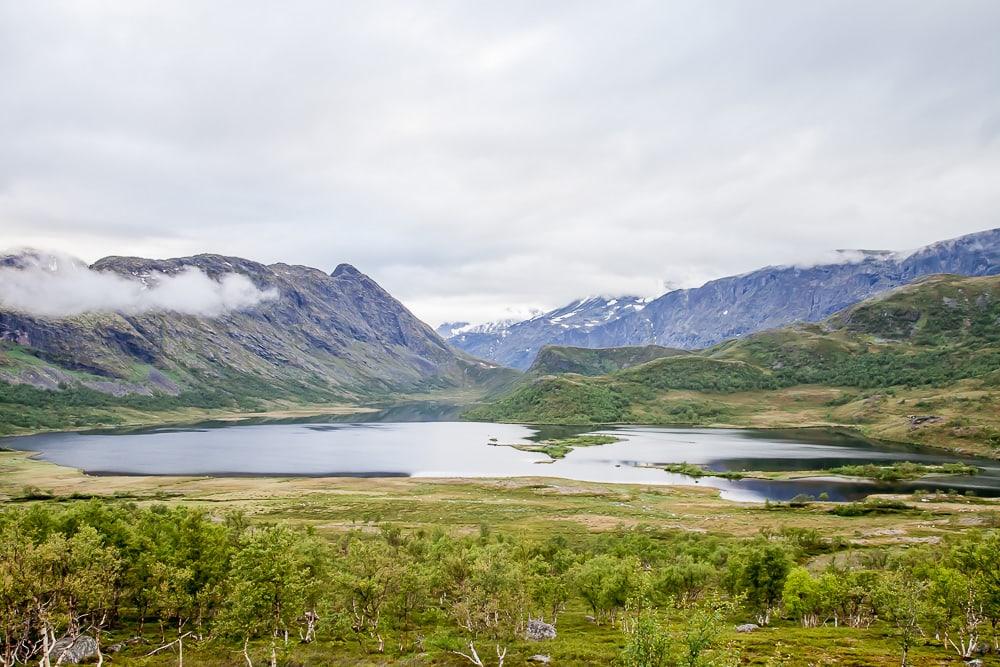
(52, 285)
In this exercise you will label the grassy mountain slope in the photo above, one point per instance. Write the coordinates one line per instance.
(921, 363)
(585, 361)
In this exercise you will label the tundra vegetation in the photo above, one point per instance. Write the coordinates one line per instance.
(157, 585)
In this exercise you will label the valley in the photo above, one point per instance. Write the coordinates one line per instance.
(329, 440)
(483, 334)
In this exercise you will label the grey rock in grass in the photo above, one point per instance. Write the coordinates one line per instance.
(74, 650)
(539, 630)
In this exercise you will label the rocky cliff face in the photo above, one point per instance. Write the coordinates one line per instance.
(738, 305)
(335, 333)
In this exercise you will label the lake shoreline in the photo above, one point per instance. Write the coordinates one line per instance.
(852, 431)
(196, 417)
(742, 464)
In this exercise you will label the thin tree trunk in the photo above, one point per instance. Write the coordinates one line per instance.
(47, 647)
(246, 652)
(473, 658)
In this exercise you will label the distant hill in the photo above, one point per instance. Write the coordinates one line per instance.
(736, 306)
(324, 336)
(920, 363)
(553, 359)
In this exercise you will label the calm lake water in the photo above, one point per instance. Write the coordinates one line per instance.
(390, 444)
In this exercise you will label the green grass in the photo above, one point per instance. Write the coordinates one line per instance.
(579, 642)
(559, 448)
(693, 470)
(870, 507)
(902, 470)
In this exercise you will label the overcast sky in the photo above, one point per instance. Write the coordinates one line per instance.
(480, 158)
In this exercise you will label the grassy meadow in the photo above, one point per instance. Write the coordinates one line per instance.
(592, 521)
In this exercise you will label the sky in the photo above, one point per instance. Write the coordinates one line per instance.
(481, 159)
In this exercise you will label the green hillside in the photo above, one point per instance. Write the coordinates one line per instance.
(586, 361)
(921, 363)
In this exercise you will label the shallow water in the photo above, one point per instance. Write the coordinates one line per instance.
(329, 446)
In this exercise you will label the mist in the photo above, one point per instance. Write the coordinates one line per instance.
(50, 285)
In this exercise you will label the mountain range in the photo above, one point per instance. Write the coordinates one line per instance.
(295, 334)
(515, 344)
(731, 307)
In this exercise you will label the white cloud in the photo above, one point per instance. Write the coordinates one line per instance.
(475, 156)
(51, 285)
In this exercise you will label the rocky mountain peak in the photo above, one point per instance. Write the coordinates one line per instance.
(346, 270)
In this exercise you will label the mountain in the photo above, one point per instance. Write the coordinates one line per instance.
(320, 337)
(920, 363)
(739, 305)
(452, 329)
(515, 344)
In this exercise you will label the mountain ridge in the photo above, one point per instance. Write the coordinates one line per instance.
(518, 343)
(336, 334)
(735, 306)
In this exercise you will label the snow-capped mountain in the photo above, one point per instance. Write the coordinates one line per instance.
(736, 305)
(451, 329)
(516, 342)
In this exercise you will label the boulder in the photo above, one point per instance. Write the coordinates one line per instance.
(747, 627)
(541, 659)
(74, 650)
(916, 421)
(539, 630)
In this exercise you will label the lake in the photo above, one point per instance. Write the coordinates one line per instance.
(388, 444)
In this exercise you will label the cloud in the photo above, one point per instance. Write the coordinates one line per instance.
(476, 156)
(53, 285)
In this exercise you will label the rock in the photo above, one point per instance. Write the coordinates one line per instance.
(539, 658)
(747, 627)
(539, 630)
(919, 420)
(974, 663)
(590, 619)
(74, 650)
